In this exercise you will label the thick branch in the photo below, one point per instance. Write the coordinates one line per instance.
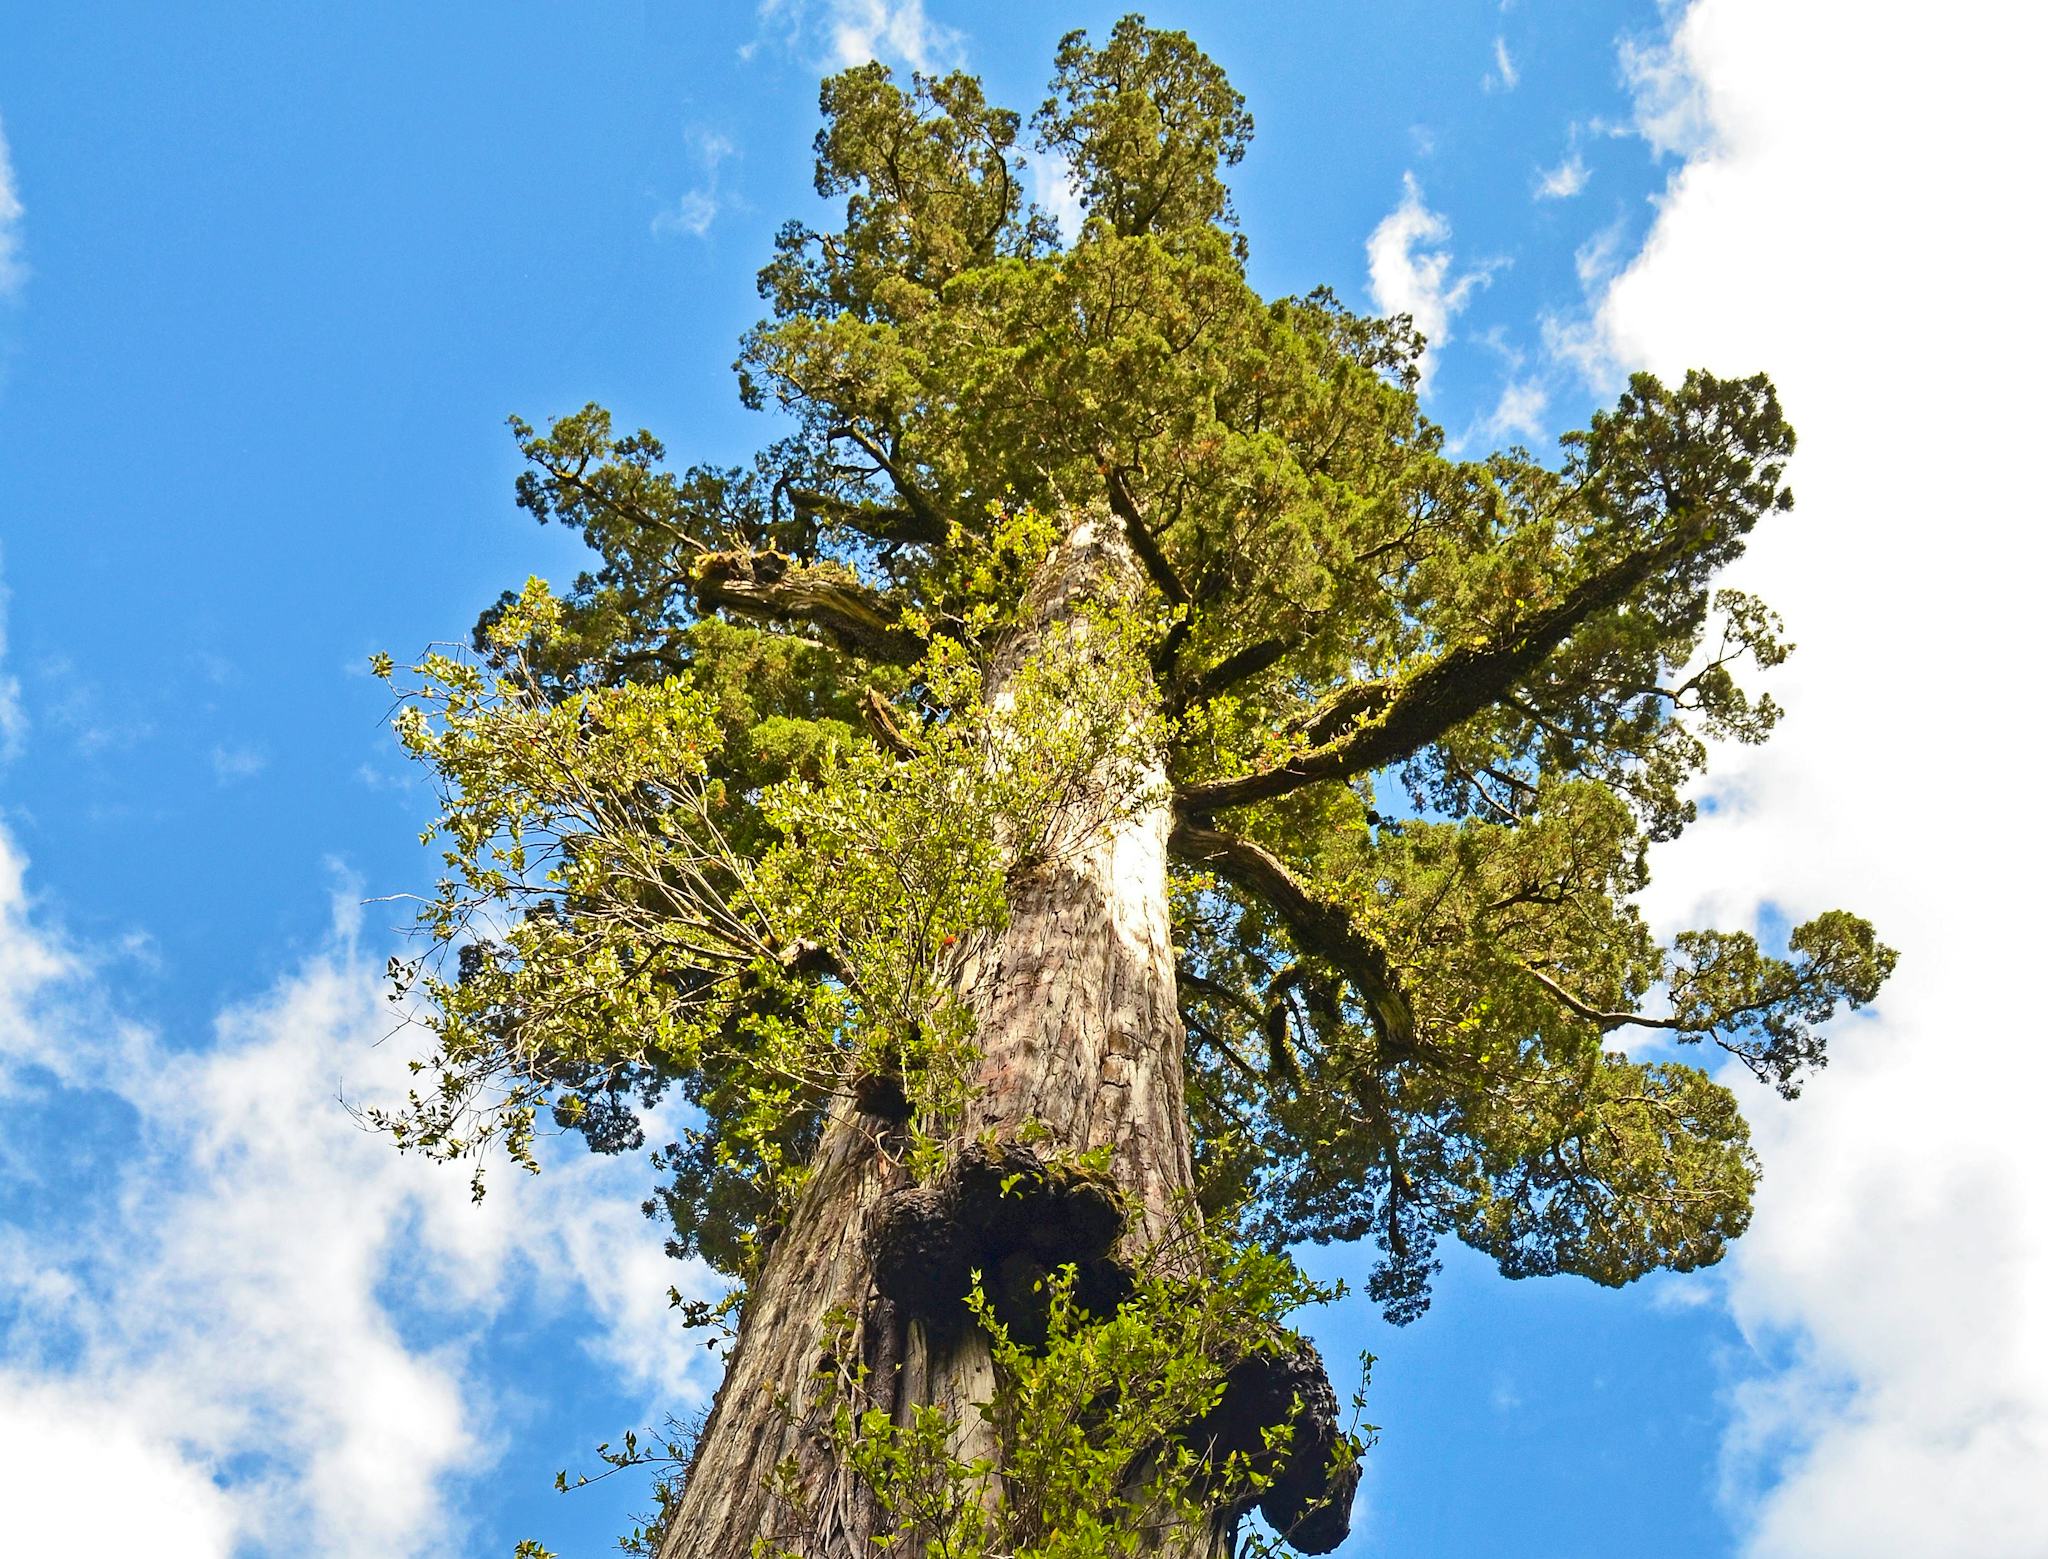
(881, 720)
(1454, 687)
(1228, 672)
(1318, 928)
(1353, 701)
(878, 522)
(930, 523)
(767, 585)
(1161, 573)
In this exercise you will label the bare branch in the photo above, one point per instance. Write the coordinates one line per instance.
(768, 585)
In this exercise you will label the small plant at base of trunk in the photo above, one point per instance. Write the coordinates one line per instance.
(1111, 1430)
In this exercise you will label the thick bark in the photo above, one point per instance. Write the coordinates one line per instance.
(1081, 1043)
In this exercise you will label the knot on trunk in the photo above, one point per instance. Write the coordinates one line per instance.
(1305, 1503)
(1006, 1211)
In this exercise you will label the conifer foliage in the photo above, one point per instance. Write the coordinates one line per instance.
(1084, 587)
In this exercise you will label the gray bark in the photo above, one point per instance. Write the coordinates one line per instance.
(1079, 1033)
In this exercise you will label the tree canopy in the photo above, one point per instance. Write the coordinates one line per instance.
(715, 813)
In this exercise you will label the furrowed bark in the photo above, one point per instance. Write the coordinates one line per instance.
(1081, 1042)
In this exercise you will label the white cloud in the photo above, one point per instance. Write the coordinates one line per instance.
(1052, 190)
(1409, 266)
(13, 270)
(1878, 262)
(1670, 107)
(1563, 181)
(692, 214)
(1519, 412)
(874, 29)
(852, 32)
(1503, 77)
(234, 761)
(698, 208)
(226, 1335)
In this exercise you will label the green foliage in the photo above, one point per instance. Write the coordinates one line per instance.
(1097, 1430)
(718, 816)
(604, 921)
(1144, 122)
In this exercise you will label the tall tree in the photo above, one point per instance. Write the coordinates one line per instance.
(1103, 797)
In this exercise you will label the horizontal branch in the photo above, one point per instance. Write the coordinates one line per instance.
(767, 585)
(1318, 928)
(1353, 701)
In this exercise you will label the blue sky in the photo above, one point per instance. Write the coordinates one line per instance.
(271, 279)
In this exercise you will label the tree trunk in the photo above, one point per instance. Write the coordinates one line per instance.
(1080, 1036)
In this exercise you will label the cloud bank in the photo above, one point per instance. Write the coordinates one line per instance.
(257, 1322)
(1870, 244)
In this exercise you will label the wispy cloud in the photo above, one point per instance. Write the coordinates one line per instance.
(13, 270)
(697, 208)
(13, 717)
(1408, 263)
(234, 761)
(1563, 181)
(1668, 99)
(1503, 77)
(1518, 414)
(1576, 338)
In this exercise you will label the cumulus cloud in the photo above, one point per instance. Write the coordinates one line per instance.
(852, 32)
(1895, 1281)
(1408, 263)
(13, 271)
(260, 1323)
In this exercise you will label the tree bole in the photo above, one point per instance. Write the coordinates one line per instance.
(1080, 1045)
